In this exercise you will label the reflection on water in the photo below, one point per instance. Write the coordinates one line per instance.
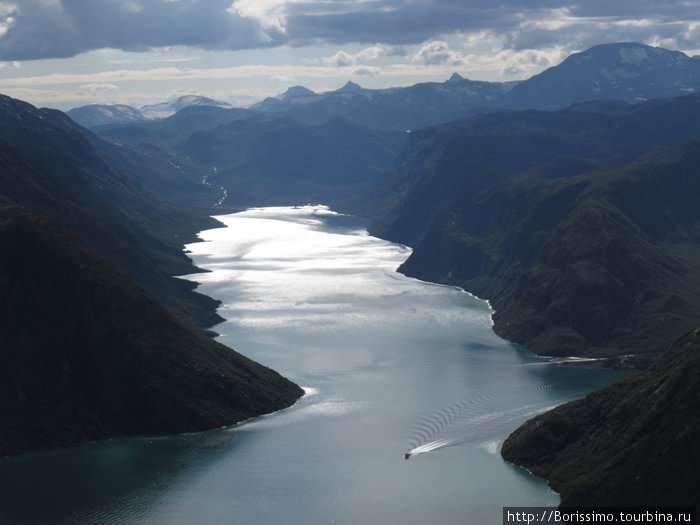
(390, 366)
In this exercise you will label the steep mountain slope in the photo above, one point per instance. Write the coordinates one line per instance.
(50, 164)
(634, 443)
(535, 211)
(86, 355)
(626, 71)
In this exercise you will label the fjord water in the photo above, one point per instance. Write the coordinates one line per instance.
(391, 365)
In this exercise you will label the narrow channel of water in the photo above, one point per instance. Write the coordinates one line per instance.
(391, 366)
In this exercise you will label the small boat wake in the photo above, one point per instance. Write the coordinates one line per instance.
(475, 420)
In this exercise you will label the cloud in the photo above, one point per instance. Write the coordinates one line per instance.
(8, 17)
(380, 50)
(269, 13)
(10, 65)
(282, 78)
(340, 59)
(31, 29)
(97, 90)
(63, 29)
(520, 63)
(438, 53)
(368, 71)
(164, 74)
(344, 59)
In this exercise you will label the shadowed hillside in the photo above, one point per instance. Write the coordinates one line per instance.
(49, 164)
(633, 443)
(87, 355)
(580, 226)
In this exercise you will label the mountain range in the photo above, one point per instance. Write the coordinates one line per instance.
(227, 147)
(100, 114)
(630, 72)
(88, 355)
(569, 200)
(578, 225)
(88, 298)
(253, 159)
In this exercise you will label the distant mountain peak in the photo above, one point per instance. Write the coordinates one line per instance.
(629, 54)
(101, 114)
(456, 77)
(627, 71)
(349, 87)
(166, 109)
(296, 91)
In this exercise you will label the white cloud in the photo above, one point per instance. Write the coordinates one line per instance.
(8, 17)
(438, 52)
(340, 59)
(270, 13)
(379, 51)
(368, 71)
(521, 64)
(54, 28)
(7, 8)
(282, 78)
(97, 90)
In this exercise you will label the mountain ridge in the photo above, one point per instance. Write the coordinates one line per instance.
(52, 165)
(93, 115)
(503, 204)
(632, 443)
(87, 355)
(626, 71)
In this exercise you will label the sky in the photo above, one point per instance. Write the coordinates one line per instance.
(68, 53)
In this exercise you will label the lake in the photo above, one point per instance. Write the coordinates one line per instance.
(391, 366)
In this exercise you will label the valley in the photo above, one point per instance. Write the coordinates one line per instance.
(567, 200)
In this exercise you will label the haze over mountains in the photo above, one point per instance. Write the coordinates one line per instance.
(630, 72)
(569, 200)
(101, 114)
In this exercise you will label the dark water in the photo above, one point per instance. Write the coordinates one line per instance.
(391, 365)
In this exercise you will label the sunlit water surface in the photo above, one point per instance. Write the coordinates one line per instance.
(391, 365)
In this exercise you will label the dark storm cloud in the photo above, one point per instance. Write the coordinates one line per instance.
(53, 28)
(398, 24)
